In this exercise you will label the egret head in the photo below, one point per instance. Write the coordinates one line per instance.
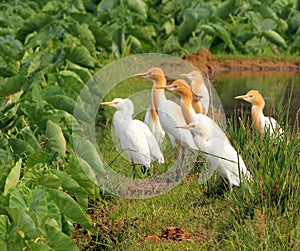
(194, 75)
(155, 74)
(178, 86)
(253, 97)
(197, 128)
(120, 104)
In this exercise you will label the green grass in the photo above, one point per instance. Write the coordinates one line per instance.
(261, 215)
(267, 55)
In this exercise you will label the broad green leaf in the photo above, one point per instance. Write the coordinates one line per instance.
(24, 222)
(4, 231)
(13, 177)
(38, 245)
(68, 183)
(102, 36)
(33, 23)
(18, 199)
(138, 6)
(20, 146)
(11, 85)
(208, 29)
(187, 26)
(4, 225)
(50, 180)
(224, 35)
(62, 102)
(143, 35)
(86, 37)
(264, 10)
(82, 173)
(70, 208)
(30, 138)
(10, 47)
(87, 151)
(275, 38)
(107, 5)
(80, 55)
(38, 157)
(58, 240)
(57, 142)
(268, 24)
(225, 8)
(38, 206)
(244, 36)
(80, 71)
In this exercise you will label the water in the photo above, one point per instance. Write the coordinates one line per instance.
(272, 86)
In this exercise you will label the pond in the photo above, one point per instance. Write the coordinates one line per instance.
(272, 86)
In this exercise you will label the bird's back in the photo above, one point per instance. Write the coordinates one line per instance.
(214, 131)
(170, 116)
(154, 149)
(133, 140)
(225, 160)
(272, 127)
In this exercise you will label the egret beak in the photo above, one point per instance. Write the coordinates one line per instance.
(109, 103)
(241, 97)
(166, 87)
(183, 127)
(183, 75)
(143, 74)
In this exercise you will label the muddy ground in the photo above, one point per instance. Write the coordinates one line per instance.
(206, 62)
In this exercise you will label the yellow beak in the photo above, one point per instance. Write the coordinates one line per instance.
(183, 127)
(241, 97)
(140, 74)
(184, 75)
(109, 103)
(164, 87)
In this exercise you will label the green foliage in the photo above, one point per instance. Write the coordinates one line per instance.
(50, 49)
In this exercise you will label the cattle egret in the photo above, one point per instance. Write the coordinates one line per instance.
(261, 123)
(219, 154)
(201, 97)
(153, 122)
(181, 87)
(168, 111)
(136, 139)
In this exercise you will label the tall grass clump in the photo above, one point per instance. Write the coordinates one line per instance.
(265, 213)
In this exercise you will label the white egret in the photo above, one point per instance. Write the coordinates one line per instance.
(201, 96)
(153, 122)
(181, 87)
(136, 139)
(168, 111)
(261, 123)
(219, 154)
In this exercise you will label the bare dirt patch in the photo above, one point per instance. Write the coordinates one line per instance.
(208, 64)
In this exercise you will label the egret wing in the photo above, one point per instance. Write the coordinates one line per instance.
(170, 116)
(155, 151)
(154, 125)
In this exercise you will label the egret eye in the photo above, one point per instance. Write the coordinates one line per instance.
(251, 96)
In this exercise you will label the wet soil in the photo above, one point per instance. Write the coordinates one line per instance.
(208, 64)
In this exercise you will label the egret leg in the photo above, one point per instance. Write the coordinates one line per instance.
(143, 169)
(133, 169)
(182, 153)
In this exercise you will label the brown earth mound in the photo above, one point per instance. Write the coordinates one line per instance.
(207, 63)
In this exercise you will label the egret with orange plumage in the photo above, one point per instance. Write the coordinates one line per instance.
(181, 87)
(168, 111)
(200, 92)
(261, 123)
